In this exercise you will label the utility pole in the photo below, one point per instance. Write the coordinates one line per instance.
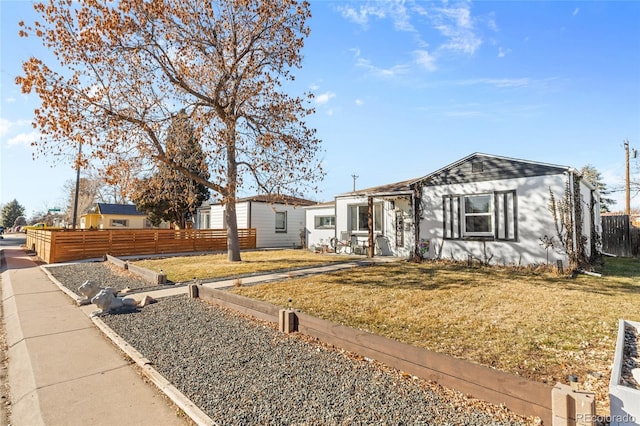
(75, 200)
(627, 208)
(354, 182)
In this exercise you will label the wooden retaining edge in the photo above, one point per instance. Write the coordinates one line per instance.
(520, 395)
(118, 262)
(146, 274)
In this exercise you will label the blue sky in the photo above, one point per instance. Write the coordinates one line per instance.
(405, 88)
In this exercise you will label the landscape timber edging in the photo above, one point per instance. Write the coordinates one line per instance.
(520, 395)
(146, 274)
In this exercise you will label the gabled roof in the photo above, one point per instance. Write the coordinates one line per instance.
(118, 209)
(273, 199)
(397, 188)
(483, 167)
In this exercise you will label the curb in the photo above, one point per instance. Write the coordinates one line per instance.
(178, 398)
(163, 385)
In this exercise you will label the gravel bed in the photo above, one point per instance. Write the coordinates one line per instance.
(241, 371)
(630, 357)
(106, 274)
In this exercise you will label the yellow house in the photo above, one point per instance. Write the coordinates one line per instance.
(115, 216)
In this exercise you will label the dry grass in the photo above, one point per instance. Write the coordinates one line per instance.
(185, 268)
(528, 322)
(535, 324)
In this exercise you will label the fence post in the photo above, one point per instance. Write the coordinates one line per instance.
(570, 407)
(52, 248)
(287, 321)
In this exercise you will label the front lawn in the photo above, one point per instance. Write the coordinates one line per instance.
(185, 268)
(535, 324)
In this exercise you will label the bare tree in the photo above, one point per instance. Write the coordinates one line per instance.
(87, 190)
(125, 68)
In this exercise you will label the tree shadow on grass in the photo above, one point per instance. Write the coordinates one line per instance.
(620, 277)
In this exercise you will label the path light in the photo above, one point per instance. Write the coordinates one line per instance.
(573, 382)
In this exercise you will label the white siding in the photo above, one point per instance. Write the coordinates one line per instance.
(263, 219)
(534, 221)
(316, 235)
(216, 220)
(392, 208)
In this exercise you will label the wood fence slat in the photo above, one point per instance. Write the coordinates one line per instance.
(81, 244)
(618, 236)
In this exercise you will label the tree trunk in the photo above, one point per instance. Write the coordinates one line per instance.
(233, 242)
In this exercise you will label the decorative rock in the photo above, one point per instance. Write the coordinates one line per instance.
(147, 300)
(631, 364)
(89, 289)
(107, 302)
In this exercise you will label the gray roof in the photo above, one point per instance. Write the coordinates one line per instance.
(389, 189)
(472, 168)
(271, 199)
(119, 209)
(479, 167)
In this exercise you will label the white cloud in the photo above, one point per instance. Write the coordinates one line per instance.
(10, 100)
(497, 82)
(576, 11)
(377, 71)
(24, 139)
(359, 102)
(425, 60)
(394, 10)
(4, 126)
(361, 16)
(7, 127)
(457, 25)
(503, 52)
(324, 98)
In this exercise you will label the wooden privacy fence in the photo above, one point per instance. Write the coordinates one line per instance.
(619, 237)
(65, 246)
(523, 396)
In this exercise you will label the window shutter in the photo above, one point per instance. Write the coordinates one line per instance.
(505, 215)
(451, 206)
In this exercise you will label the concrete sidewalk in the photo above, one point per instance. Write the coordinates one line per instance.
(62, 370)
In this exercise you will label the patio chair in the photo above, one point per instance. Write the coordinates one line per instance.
(356, 248)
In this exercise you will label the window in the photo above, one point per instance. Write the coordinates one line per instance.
(483, 216)
(119, 223)
(325, 222)
(205, 220)
(281, 221)
(359, 218)
(477, 215)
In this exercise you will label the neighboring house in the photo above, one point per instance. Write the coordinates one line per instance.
(393, 233)
(491, 208)
(279, 222)
(320, 223)
(115, 216)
